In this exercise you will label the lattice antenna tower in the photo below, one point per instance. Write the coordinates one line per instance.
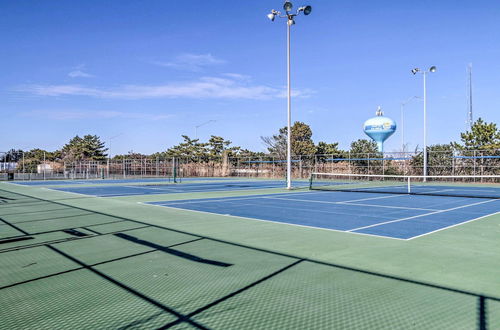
(470, 118)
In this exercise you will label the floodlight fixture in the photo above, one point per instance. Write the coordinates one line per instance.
(415, 71)
(287, 6)
(305, 9)
(433, 69)
(271, 16)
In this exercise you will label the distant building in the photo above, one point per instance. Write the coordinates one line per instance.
(44, 168)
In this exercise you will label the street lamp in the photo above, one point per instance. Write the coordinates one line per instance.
(198, 126)
(306, 10)
(424, 73)
(403, 121)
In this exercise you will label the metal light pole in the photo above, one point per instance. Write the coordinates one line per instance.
(290, 21)
(109, 152)
(403, 121)
(424, 73)
(198, 126)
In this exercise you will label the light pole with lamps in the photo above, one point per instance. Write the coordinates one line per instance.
(109, 152)
(424, 73)
(403, 121)
(290, 21)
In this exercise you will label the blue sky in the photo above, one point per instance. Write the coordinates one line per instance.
(146, 72)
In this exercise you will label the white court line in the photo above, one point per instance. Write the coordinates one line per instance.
(455, 225)
(423, 215)
(351, 203)
(281, 223)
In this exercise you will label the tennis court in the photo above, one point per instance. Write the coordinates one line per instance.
(159, 188)
(393, 216)
(192, 255)
(109, 181)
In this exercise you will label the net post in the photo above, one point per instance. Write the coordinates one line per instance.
(409, 189)
(311, 181)
(174, 168)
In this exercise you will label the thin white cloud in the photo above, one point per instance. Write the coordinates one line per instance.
(191, 62)
(203, 88)
(79, 115)
(78, 72)
(237, 76)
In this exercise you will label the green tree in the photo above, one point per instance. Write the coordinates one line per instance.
(35, 157)
(439, 160)
(11, 156)
(189, 148)
(90, 147)
(132, 155)
(217, 146)
(324, 148)
(362, 147)
(363, 151)
(245, 153)
(327, 150)
(277, 144)
(483, 135)
(301, 141)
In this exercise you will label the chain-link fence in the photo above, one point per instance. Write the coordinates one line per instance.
(451, 162)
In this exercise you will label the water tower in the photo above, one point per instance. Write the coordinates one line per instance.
(379, 128)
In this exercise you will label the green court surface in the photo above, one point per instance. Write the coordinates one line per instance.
(71, 261)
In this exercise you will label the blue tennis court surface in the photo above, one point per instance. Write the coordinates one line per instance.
(130, 190)
(394, 216)
(108, 181)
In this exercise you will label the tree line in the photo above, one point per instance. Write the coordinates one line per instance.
(481, 136)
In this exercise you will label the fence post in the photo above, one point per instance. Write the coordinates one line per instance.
(44, 165)
(368, 157)
(349, 161)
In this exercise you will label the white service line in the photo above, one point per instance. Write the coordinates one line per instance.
(423, 215)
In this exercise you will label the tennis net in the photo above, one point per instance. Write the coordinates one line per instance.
(457, 186)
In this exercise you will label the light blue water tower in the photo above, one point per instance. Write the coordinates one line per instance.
(379, 128)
